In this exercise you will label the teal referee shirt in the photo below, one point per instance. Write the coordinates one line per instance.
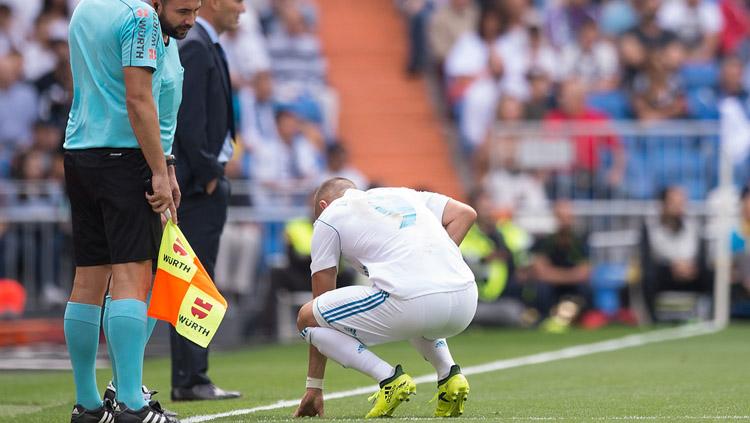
(170, 95)
(105, 37)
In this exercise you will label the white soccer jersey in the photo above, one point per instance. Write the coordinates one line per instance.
(395, 237)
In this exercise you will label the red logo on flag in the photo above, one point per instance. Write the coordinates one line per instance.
(142, 13)
(201, 308)
(178, 248)
(152, 54)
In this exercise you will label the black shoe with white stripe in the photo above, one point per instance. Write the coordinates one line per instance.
(110, 395)
(102, 414)
(152, 413)
(148, 396)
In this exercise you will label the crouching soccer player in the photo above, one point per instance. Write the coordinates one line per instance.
(406, 242)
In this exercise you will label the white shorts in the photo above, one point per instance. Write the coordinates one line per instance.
(375, 317)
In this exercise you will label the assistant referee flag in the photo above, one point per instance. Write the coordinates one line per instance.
(183, 293)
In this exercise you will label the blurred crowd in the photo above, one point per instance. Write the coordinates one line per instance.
(503, 62)
(564, 277)
(286, 111)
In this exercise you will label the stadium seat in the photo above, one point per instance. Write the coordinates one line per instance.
(678, 306)
(639, 177)
(308, 109)
(614, 103)
(702, 103)
(699, 75)
(606, 281)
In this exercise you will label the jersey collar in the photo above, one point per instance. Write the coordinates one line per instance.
(212, 34)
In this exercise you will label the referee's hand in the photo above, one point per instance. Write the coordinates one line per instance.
(162, 199)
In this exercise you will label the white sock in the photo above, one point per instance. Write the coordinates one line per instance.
(437, 353)
(348, 352)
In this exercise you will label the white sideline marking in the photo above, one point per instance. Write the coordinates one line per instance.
(629, 341)
(549, 418)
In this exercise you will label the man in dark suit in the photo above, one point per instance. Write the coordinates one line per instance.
(203, 144)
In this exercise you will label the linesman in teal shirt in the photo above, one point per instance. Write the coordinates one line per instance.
(120, 177)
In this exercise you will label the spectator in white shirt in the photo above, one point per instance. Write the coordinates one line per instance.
(258, 114)
(521, 48)
(734, 109)
(564, 18)
(246, 49)
(9, 37)
(449, 22)
(338, 165)
(697, 23)
(288, 168)
(297, 61)
(471, 57)
(500, 173)
(18, 108)
(472, 70)
(592, 59)
(671, 250)
(38, 57)
(24, 13)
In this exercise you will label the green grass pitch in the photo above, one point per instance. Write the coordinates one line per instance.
(703, 378)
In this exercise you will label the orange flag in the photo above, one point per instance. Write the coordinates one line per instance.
(183, 293)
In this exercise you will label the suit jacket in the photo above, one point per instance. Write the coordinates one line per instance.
(205, 115)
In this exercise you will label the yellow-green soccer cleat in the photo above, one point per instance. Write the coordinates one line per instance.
(393, 391)
(452, 392)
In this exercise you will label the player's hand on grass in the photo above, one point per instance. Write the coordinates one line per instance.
(311, 404)
(161, 199)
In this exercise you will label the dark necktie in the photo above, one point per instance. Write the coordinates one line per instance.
(230, 102)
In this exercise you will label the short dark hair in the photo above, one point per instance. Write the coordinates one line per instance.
(664, 193)
(330, 190)
(284, 111)
(334, 149)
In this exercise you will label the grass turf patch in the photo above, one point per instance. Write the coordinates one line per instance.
(695, 379)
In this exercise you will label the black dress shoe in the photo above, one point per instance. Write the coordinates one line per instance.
(203, 392)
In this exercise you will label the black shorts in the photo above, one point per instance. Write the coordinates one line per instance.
(112, 221)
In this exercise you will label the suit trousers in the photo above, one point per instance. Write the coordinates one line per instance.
(202, 218)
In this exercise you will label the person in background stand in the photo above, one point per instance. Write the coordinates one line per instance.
(203, 146)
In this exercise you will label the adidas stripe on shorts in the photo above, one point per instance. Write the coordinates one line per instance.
(375, 317)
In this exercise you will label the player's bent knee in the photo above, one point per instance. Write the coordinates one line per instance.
(306, 318)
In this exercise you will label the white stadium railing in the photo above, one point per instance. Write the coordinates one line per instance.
(35, 245)
(689, 154)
